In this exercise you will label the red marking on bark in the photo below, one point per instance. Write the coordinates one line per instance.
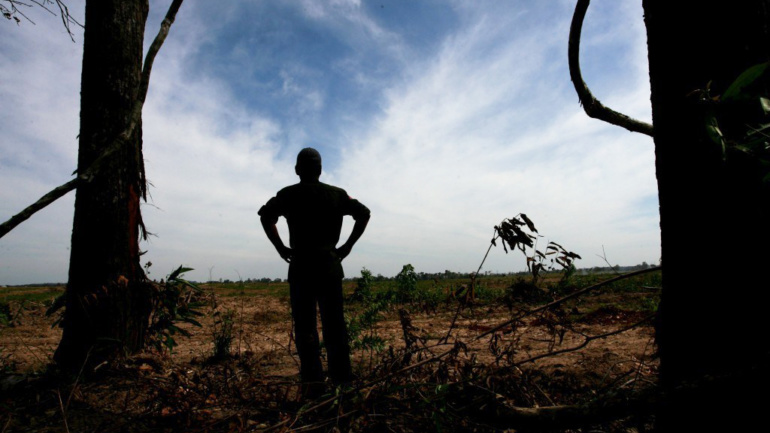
(133, 227)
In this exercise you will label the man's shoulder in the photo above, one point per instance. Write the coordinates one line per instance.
(290, 190)
(287, 189)
(332, 188)
(297, 187)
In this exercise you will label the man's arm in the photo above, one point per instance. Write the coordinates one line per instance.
(271, 230)
(358, 230)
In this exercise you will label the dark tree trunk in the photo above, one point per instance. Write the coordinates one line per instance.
(107, 305)
(715, 233)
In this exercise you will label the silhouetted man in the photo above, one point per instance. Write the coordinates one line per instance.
(314, 211)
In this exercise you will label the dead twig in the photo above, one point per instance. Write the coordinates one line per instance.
(64, 12)
(7, 423)
(277, 343)
(63, 411)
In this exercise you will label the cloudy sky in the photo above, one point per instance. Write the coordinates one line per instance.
(443, 117)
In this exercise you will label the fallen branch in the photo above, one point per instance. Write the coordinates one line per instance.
(591, 105)
(588, 339)
(501, 413)
(117, 143)
(566, 298)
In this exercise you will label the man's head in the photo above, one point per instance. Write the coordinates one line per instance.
(308, 164)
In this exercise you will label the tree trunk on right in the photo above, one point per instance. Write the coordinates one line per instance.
(715, 234)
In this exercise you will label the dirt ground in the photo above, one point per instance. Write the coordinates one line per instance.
(263, 326)
(258, 387)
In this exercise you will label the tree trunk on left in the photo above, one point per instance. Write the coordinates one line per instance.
(107, 304)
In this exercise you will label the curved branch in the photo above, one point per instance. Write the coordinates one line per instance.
(118, 142)
(591, 105)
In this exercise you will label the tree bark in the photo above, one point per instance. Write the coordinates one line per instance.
(714, 230)
(107, 305)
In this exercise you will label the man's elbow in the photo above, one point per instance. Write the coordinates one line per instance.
(267, 221)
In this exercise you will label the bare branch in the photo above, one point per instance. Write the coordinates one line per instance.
(66, 18)
(571, 416)
(118, 142)
(588, 339)
(566, 298)
(44, 201)
(591, 105)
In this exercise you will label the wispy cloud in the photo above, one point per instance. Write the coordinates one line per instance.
(443, 118)
(488, 128)
(39, 93)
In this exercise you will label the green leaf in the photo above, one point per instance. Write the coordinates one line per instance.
(764, 103)
(194, 322)
(713, 131)
(749, 76)
(169, 342)
(529, 222)
(177, 272)
(191, 285)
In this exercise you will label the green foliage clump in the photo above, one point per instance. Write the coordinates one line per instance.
(173, 302)
(361, 332)
(364, 285)
(406, 284)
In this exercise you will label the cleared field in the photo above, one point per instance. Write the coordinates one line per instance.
(420, 359)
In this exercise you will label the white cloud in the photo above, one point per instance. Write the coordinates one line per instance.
(487, 129)
(39, 90)
(486, 126)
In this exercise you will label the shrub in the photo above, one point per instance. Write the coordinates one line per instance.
(406, 284)
(363, 290)
(173, 302)
(223, 333)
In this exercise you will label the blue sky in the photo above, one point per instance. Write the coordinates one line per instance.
(443, 117)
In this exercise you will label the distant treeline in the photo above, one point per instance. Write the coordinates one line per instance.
(446, 275)
(451, 275)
